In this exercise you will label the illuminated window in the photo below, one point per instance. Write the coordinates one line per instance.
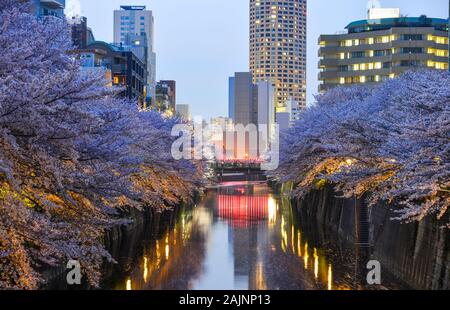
(392, 75)
(362, 79)
(378, 65)
(441, 53)
(438, 40)
(342, 80)
(441, 65)
(348, 43)
(441, 40)
(342, 55)
(370, 41)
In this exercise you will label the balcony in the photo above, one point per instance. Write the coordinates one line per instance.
(54, 4)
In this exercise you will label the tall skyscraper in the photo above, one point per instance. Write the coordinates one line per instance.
(134, 28)
(244, 99)
(252, 105)
(278, 48)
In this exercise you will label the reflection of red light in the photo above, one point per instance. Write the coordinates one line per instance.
(241, 190)
(243, 210)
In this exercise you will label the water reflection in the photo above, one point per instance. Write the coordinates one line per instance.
(240, 237)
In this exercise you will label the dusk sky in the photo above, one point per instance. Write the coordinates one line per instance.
(200, 43)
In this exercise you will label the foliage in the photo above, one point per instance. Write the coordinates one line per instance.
(391, 142)
(72, 154)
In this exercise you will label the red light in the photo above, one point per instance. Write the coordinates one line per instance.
(242, 211)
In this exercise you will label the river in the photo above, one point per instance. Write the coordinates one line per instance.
(240, 236)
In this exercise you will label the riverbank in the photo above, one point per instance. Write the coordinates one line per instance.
(122, 241)
(417, 253)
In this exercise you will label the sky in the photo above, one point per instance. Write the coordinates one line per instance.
(200, 43)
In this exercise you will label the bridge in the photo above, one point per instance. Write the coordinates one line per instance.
(239, 170)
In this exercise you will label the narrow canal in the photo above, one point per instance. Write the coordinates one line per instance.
(241, 236)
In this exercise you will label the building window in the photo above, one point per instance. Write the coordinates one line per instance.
(413, 37)
(412, 50)
(358, 54)
(410, 63)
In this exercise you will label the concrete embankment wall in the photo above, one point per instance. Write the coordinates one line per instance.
(416, 253)
(120, 241)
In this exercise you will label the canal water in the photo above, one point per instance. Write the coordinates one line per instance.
(241, 236)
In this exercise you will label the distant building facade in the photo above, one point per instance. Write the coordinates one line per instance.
(49, 8)
(231, 97)
(224, 122)
(184, 111)
(251, 105)
(374, 50)
(284, 120)
(82, 35)
(265, 113)
(134, 28)
(244, 99)
(127, 69)
(166, 96)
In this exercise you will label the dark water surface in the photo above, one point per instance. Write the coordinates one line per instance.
(241, 236)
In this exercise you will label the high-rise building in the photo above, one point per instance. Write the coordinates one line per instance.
(134, 28)
(231, 98)
(374, 50)
(243, 99)
(266, 114)
(49, 8)
(252, 104)
(278, 48)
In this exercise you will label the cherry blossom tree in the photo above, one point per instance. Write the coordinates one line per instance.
(390, 142)
(72, 154)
